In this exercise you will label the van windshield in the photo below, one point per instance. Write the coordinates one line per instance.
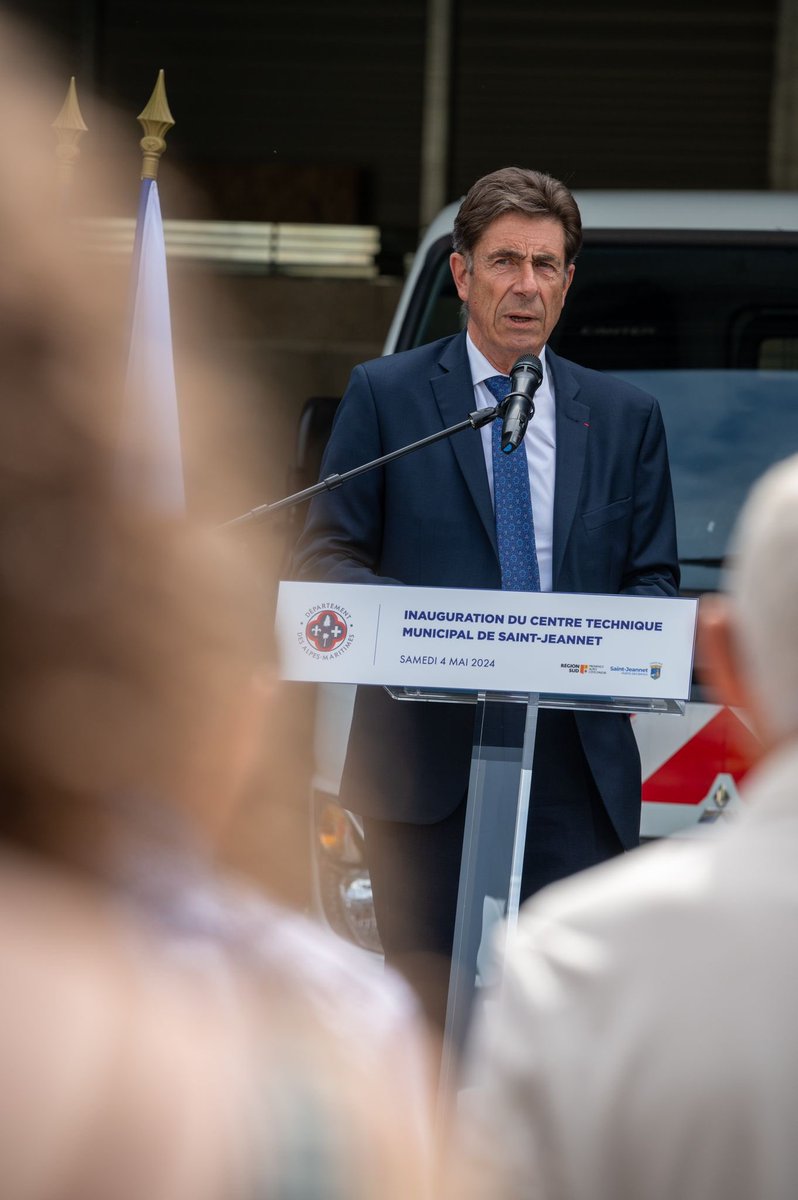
(724, 429)
(708, 324)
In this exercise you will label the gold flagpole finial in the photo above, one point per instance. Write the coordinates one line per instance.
(156, 121)
(69, 128)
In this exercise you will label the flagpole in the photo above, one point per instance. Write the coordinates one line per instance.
(156, 120)
(69, 128)
(152, 416)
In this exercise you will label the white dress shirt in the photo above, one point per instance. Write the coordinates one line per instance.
(539, 444)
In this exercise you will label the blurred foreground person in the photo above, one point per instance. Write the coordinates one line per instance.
(164, 1033)
(643, 1045)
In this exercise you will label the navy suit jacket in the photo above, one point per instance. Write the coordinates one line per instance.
(427, 520)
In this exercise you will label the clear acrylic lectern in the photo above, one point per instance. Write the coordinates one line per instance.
(495, 837)
(640, 647)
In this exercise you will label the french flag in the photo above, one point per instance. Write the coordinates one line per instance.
(153, 468)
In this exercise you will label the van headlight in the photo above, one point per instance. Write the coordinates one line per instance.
(342, 878)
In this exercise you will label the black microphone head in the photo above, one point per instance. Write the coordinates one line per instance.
(530, 364)
(519, 407)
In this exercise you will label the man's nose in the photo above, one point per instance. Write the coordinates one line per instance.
(525, 280)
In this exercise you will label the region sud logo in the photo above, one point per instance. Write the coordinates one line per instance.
(326, 631)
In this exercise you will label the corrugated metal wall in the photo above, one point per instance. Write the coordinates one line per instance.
(312, 110)
(283, 87)
(615, 94)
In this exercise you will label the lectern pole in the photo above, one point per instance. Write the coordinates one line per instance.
(492, 863)
(522, 810)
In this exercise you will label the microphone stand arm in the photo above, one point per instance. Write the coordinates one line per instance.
(475, 420)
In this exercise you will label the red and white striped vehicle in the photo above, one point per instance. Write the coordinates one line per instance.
(694, 297)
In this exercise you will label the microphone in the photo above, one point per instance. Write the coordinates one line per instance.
(519, 407)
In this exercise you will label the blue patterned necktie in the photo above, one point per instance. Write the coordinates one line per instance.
(515, 527)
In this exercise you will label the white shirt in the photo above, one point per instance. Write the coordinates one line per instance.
(540, 446)
(644, 1044)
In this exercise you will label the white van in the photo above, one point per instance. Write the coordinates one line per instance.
(692, 296)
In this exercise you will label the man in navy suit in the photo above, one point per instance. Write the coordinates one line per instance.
(603, 521)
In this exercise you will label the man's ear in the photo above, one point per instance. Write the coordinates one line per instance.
(717, 654)
(460, 274)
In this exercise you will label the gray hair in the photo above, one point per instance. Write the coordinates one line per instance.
(516, 189)
(763, 585)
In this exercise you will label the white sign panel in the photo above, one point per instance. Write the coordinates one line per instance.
(553, 643)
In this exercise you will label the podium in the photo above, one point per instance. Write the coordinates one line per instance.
(489, 649)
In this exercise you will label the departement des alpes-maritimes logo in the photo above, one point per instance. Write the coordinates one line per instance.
(326, 631)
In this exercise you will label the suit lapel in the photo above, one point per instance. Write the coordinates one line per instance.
(572, 431)
(454, 393)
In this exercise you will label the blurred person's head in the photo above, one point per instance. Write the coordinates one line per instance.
(129, 638)
(750, 635)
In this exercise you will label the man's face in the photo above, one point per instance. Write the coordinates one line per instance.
(515, 287)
